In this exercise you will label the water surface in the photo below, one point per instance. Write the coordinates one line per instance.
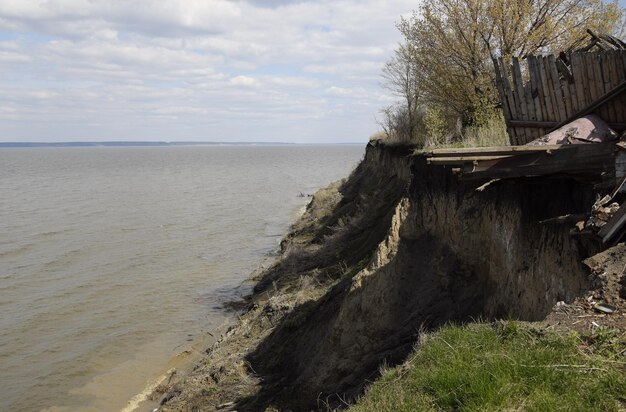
(113, 260)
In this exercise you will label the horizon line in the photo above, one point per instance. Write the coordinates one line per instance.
(79, 143)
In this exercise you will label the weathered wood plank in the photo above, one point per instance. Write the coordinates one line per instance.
(456, 160)
(613, 81)
(621, 66)
(505, 98)
(578, 72)
(545, 90)
(513, 104)
(599, 83)
(521, 98)
(535, 82)
(587, 81)
(596, 92)
(567, 97)
(556, 87)
(503, 150)
(573, 96)
(606, 77)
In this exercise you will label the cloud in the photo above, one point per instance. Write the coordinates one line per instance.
(243, 81)
(194, 69)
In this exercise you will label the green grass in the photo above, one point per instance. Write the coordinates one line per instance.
(504, 367)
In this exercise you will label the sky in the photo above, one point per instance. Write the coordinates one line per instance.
(195, 70)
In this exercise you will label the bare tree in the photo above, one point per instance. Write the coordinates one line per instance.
(403, 119)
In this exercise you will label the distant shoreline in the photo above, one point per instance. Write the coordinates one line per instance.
(153, 144)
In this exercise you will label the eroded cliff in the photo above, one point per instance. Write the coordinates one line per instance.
(397, 247)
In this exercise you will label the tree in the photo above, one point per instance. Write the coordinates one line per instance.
(452, 42)
(402, 120)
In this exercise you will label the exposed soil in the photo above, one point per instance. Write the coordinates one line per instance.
(396, 248)
(607, 293)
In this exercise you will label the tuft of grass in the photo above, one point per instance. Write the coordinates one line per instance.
(484, 367)
(492, 133)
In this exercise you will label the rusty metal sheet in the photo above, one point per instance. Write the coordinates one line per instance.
(587, 129)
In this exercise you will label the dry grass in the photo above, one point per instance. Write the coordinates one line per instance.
(492, 133)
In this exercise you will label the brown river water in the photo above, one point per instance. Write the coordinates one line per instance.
(113, 261)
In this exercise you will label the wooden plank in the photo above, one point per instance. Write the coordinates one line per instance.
(556, 87)
(521, 99)
(512, 103)
(564, 71)
(535, 83)
(617, 68)
(500, 150)
(532, 114)
(545, 90)
(455, 160)
(621, 66)
(573, 96)
(578, 73)
(620, 75)
(503, 96)
(508, 114)
(572, 86)
(599, 82)
(605, 64)
(615, 80)
(586, 82)
(567, 98)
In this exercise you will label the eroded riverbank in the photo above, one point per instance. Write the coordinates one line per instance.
(396, 248)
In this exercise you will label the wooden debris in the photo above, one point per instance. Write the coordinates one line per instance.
(615, 229)
(539, 94)
(517, 161)
(566, 219)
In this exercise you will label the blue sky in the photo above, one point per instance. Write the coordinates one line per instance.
(221, 70)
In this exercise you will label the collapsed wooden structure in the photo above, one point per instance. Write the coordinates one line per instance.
(543, 94)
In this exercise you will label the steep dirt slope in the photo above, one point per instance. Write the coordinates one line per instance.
(397, 247)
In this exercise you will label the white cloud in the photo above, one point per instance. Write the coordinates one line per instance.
(243, 81)
(169, 69)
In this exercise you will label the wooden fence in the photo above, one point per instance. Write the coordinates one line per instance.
(547, 91)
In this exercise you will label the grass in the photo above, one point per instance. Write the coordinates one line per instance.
(492, 133)
(498, 367)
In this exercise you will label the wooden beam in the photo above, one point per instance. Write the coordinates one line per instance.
(589, 160)
(453, 160)
(497, 150)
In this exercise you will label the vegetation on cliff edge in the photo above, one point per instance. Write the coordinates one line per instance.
(505, 366)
